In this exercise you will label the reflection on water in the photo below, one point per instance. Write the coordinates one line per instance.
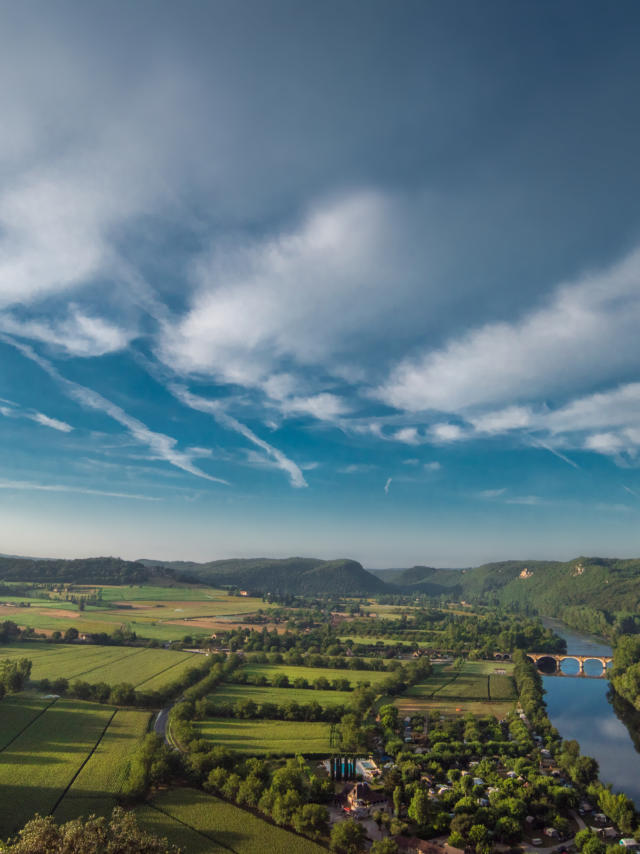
(580, 709)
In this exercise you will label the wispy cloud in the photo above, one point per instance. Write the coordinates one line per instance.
(13, 411)
(48, 487)
(547, 447)
(216, 410)
(387, 485)
(161, 446)
(432, 466)
(492, 493)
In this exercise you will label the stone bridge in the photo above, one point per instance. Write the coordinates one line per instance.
(558, 658)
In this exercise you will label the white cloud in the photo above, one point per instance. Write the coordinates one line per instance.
(502, 420)
(78, 334)
(408, 435)
(323, 406)
(589, 328)
(357, 468)
(13, 411)
(447, 433)
(605, 443)
(54, 423)
(213, 408)
(492, 493)
(46, 487)
(162, 447)
(433, 466)
(387, 485)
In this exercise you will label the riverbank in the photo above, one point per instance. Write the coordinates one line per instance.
(584, 710)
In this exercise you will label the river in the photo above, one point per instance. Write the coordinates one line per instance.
(579, 709)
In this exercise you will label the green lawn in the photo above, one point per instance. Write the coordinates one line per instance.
(260, 736)
(355, 677)
(265, 694)
(203, 824)
(37, 767)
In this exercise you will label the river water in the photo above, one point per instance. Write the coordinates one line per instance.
(579, 709)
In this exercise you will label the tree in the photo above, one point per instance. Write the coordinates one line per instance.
(71, 634)
(419, 807)
(94, 836)
(312, 820)
(397, 800)
(347, 837)
(384, 846)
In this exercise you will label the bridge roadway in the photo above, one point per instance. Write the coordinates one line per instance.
(558, 658)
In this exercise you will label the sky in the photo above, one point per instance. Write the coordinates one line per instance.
(330, 279)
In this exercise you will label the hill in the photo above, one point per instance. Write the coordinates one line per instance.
(292, 576)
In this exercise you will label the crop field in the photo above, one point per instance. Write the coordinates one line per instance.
(265, 694)
(203, 824)
(106, 770)
(355, 677)
(17, 711)
(41, 762)
(259, 736)
(475, 687)
(162, 613)
(145, 668)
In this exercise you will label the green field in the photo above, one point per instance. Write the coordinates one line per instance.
(17, 711)
(202, 824)
(355, 677)
(161, 613)
(475, 687)
(264, 694)
(106, 770)
(283, 737)
(39, 764)
(147, 669)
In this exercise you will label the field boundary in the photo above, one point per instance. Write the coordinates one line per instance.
(32, 721)
(191, 827)
(115, 661)
(160, 672)
(84, 762)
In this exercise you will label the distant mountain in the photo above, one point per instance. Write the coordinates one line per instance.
(293, 576)
(606, 584)
(609, 584)
(91, 570)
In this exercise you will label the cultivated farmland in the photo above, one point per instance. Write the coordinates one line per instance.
(355, 677)
(260, 736)
(147, 669)
(203, 824)
(472, 686)
(263, 694)
(41, 762)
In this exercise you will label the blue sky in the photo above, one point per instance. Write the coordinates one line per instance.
(327, 279)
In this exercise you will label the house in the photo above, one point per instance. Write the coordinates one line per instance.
(551, 831)
(413, 845)
(629, 844)
(362, 796)
(367, 768)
